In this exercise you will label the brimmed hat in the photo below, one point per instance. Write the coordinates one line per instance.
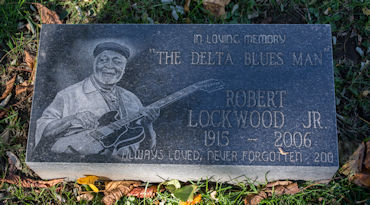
(112, 47)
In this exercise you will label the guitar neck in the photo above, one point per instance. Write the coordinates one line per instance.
(161, 103)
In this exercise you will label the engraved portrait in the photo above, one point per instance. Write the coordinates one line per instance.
(96, 116)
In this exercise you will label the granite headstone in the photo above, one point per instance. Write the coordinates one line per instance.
(155, 102)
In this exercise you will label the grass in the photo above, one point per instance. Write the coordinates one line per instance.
(19, 31)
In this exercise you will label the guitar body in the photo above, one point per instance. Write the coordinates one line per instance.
(87, 143)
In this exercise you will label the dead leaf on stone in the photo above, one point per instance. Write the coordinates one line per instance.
(140, 192)
(216, 7)
(9, 87)
(28, 183)
(282, 152)
(47, 16)
(85, 197)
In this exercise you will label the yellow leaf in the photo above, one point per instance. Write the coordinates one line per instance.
(94, 188)
(196, 199)
(184, 203)
(366, 11)
(282, 152)
(87, 180)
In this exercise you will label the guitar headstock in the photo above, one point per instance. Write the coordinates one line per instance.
(210, 85)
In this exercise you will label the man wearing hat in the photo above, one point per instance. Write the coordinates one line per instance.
(79, 106)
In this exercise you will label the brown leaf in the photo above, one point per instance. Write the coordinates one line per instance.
(186, 6)
(139, 192)
(22, 87)
(20, 69)
(48, 16)
(2, 114)
(362, 179)
(86, 197)
(114, 190)
(366, 162)
(354, 163)
(9, 87)
(277, 183)
(292, 189)
(109, 186)
(112, 196)
(28, 183)
(216, 7)
(29, 59)
(254, 199)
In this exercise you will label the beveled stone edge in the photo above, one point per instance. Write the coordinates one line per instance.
(156, 172)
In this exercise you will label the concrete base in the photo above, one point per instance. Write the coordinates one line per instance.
(159, 173)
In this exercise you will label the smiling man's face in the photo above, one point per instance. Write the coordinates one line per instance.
(109, 67)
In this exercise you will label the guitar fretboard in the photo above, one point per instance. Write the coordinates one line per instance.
(159, 104)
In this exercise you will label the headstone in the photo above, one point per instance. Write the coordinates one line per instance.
(187, 102)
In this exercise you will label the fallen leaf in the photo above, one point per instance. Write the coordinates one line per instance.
(171, 185)
(13, 160)
(186, 6)
(90, 179)
(279, 183)
(196, 199)
(292, 189)
(2, 114)
(366, 162)
(28, 183)
(254, 199)
(216, 7)
(185, 193)
(48, 16)
(85, 197)
(20, 69)
(354, 163)
(111, 185)
(114, 195)
(362, 179)
(213, 195)
(22, 87)
(366, 11)
(282, 152)
(9, 87)
(29, 59)
(4, 102)
(140, 192)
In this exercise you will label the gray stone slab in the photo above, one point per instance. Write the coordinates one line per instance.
(155, 102)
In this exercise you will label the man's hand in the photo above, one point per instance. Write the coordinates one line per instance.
(150, 115)
(86, 119)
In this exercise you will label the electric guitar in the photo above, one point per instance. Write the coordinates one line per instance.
(115, 134)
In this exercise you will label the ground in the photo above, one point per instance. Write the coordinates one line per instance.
(20, 23)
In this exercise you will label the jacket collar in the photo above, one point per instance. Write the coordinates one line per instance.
(88, 86)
